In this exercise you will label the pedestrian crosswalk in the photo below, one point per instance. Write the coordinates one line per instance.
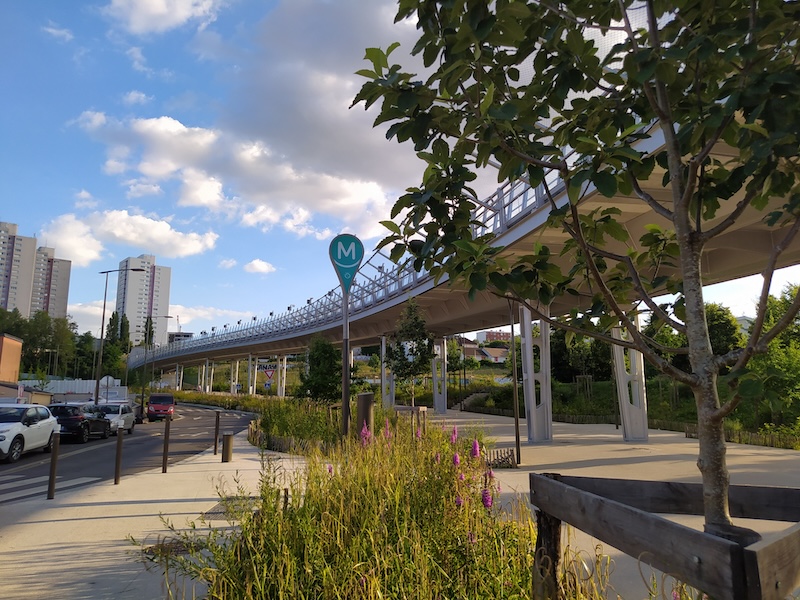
(14, 487)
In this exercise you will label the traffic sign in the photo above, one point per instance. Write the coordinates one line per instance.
(346, 252)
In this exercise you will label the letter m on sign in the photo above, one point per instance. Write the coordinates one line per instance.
(346, 252)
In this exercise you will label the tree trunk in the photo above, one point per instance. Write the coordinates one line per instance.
(711, 459)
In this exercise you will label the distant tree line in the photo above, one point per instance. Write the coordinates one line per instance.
(53, 347)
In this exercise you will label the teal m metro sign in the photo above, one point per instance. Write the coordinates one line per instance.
(346, 252)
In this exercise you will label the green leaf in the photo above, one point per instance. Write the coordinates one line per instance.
(506, 112)
(750, 389)
(487, 99)
(605, 183)
(391, 226)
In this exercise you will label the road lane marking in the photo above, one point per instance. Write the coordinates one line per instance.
(43, 488)
(33, 480)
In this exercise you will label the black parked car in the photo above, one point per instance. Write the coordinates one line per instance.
(81, 421)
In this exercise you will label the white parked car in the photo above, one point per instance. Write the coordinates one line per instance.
(120, 414)
(25, 427)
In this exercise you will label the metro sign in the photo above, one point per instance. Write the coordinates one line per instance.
(346, 253)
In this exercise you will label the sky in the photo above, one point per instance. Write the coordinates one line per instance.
(216, 135)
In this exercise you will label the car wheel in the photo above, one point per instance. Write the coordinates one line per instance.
(49, 446)
(15, 450)
(130, 431)
(106, 431)
(83, 436)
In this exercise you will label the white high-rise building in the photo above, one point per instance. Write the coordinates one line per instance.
(31, 278)
(144, 294)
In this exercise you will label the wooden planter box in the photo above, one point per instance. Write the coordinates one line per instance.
(620, 512)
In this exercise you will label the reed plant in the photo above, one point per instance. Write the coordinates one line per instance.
(384, 515)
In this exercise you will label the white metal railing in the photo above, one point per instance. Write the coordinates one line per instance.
(377, 281)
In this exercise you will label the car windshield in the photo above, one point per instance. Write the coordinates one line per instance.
(109, 410)
(161, 400)
(64, 411)
(11, 414)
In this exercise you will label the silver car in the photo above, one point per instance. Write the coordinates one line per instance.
(120, 414)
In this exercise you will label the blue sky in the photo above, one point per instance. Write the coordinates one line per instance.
(215, 135)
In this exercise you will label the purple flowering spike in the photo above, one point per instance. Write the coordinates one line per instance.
(476, 449)
(454, 435)
(387, 433)
(419, 433)
(486, 498)
(330, 469)
(472, 538)
(456, 459)
(461, 477)
(459, 501)
(438, 458)
(366, 434)
(490, 474)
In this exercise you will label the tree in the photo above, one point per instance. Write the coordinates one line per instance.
(701, 100)
(323, 382)
(411, 350)
(455, 361)
(125, 333)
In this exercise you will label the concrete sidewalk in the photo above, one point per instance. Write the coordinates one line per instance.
(76, 545)
(599, 451)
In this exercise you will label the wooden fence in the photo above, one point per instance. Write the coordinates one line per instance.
(619, 512)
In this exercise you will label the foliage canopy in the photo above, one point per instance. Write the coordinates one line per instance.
(688, 110)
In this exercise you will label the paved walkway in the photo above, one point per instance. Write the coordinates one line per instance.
(76, 546)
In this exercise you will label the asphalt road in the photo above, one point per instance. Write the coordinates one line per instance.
(191, 432)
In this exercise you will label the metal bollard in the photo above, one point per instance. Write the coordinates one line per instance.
(216, 431)
(118, 461)
(227, 446)
(51, 484)
(165, 457)
(365, 412)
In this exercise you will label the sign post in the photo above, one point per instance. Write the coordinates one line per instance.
(346, 253)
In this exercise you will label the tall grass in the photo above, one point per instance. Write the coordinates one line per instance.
(382, 516)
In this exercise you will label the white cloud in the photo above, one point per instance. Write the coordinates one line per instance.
(138, 61)
(157, 16)
(287, 150)
(135, 97)
(137, 189)
(201, 190)
(259, 266)
(91, 120)
(89, 314)
(73, 240)
(83, 240)
(84, 199)
(61, 34)
(203, 316)
(151, 235)
(227, 263)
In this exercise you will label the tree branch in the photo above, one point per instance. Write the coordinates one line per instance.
(657, 207)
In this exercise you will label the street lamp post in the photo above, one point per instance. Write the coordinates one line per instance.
(102, 333)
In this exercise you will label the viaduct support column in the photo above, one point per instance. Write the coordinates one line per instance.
(439, 369)
(234, 376)
(631, 391)
(282, 367)
(386, 398)
(538, 410)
